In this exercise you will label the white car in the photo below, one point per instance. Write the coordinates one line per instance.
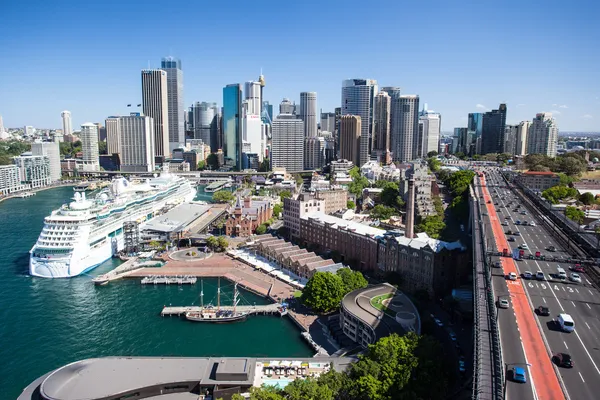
(512, 276)
(540, 276)
(575, 277)
(527, 275)
(524, 246)
(503, 303)
(438, 322)
(532, 223)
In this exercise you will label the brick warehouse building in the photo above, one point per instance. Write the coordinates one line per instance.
(247, 216)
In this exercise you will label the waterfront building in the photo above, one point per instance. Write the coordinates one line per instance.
(232, 125)
(175, 103)
(137, 143)
(358, 98)
(52, 151)
(522, 131)
(287, 143)
(294, 209)
(34, 171)
(66, 122)
(405, 127)
(113, 135)
(247, 216)
(543, 135)
(350, 138)
(10, 180)
(381, 127)
(364, 323)
(493, 126)
(89, 147)
(155, 105)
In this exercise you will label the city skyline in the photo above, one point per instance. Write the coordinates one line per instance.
(446, 78)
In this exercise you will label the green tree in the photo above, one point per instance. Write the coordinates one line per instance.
(459, 182)
(433, 225)
(309, 388)
(201, 165)
(390, 195)
(557, 193)
(265, 165)
(565, 180)
(323, 292)
(213, 243)
(357, 185)
(432, 153)
(212, 161)
(572, 164)
(575, 214)
(382, 212)
(102, 147)
(223, 196)
(155, 244)
(277, 210)
(352, 279)
(434, 164)
(261, 229)
(354, 172)
(266, 393)
(223, 243)
(438, 205)
(285, 194)
(5, 159)
(299, 180)
(350, 205)
(587, 198)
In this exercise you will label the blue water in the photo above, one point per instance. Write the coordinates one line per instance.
(46, 323)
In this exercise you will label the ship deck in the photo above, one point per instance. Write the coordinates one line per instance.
(250, 310)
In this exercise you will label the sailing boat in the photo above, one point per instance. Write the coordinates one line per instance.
(217, 315)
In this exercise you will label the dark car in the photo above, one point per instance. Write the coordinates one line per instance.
(551, 248)
(543, 310)
(563, 360)
(511, 239)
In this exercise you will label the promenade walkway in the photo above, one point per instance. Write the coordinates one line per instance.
(542, 374)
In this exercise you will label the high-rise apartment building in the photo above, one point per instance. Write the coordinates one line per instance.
(52, 151)
(358, 98)
(34, 171)
(66, 122)
(350, 138)
(381, 135)
(543, 135)
(89, 147)
(472, 144)
(510, 139)
(175, 103)
(155, 105)
(287, 143)
(493, 126)
(430, 124)
(522, 131)
(405, 126)
(232, 125)
(314, 152)
(113, 135)
(308, 113)
(137, 143)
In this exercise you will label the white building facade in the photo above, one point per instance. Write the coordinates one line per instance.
(10, 180)
(155, 105)
(34, 171)
(543, 135)
(52, 151)
(66, 122)
(287, 143)
(89, 147)
(175, 104)
(137, 143)
(358, 99)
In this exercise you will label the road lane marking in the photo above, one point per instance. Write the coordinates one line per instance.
(589, 283)
(577, 290)
(543, 298)
(566, 345)
(573, 304)
(581, 376)
(587, 325)
(590, 292)
(588, 306)
(587, 352)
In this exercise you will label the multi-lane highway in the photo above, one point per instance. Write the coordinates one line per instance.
(580, 300)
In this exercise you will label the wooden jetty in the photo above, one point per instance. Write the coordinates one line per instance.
(169, 280)
(258, 309)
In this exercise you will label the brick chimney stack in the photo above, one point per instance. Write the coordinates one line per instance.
(410, 210)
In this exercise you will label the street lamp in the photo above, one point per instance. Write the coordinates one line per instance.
(506, 374)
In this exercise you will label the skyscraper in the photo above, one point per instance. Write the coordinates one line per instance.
(405, 123)
(155, 105)
(232, 125)
(358, 98)
(381, 136)
(522, 131)
(89, 147)
(472, 143)
(328, 122)
(267, 112)
(287, 107)
(314, 152)
(308, 113)
(510, 139)
(175, 104)
(431, 122)
(287, 142)
(1, 125)
(203, 120)
(543, 135)
(350, 138)
(137, 143)
(252, 93)
(66, 122)
(52, 151)
(492, 136)
(113, 135)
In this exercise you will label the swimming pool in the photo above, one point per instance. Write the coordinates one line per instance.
(279, 383)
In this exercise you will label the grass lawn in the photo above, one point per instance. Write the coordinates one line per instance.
(377, 301)
(591, 175)
(297, 294)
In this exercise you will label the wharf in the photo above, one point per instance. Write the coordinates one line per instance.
(121, 271)
(169, 280)
(250, 310)
(215, 186)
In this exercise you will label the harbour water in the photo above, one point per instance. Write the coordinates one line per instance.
(47, 323)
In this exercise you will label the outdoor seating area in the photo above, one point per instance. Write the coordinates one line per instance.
(280, 373)
(271, 268)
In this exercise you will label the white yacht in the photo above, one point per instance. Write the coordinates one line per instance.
(86, 232)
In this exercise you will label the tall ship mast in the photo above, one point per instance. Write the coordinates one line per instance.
(217, 315)
(83, 234)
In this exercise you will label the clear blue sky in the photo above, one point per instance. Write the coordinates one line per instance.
(534, 55)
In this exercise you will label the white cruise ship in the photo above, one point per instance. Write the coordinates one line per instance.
(84, 233)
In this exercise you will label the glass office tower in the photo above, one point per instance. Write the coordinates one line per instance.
(232, 134)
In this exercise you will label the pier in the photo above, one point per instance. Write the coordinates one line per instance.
(121, 271)
(268, 309)
(169, 280)
(216, 186)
